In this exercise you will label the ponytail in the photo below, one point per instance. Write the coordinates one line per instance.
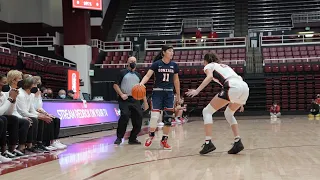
(158, 57)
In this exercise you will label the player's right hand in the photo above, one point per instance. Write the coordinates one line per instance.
(241, 109)
(124, 97)
(45, 118)
(142, 85)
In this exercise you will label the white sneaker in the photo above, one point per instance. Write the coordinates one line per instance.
(63, 145)
(161, 124)
(51, 148)
(4, 159)
(178, 121)
(58, 145)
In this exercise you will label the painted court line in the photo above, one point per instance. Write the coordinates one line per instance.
(190, 155)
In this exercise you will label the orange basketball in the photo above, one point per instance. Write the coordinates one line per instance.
(138, 92)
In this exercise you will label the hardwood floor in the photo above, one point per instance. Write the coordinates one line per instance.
(283, 149)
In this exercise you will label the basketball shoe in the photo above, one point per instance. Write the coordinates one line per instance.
(236, 147)
(148, 141)
(164, 144)
(206, 148)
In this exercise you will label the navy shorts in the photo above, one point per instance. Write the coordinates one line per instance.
(162, 100)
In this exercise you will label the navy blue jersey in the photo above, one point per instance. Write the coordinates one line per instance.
(164, 74)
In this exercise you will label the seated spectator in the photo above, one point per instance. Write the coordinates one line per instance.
(26, 109)
(179, 109)
(314, 108)
(70, 95)
(317, 100)
(61, 94)
(14, 79)
(44, 93)
(49, 93)
(51, 130)
(275, 110)
(10, 124)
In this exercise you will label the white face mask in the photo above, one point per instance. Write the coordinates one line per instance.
(63, 96)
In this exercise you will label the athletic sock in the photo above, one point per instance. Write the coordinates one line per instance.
(208, 139)
(151, 134)
(164, 137)
(237, 138)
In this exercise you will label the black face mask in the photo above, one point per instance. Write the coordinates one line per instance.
(49, 95)
(39, 86)
(20, 84)
(132, 65)
(5, 88)
(34, 90)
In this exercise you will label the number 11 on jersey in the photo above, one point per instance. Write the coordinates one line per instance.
(166, 77)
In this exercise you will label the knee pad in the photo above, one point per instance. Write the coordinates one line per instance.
(207, 113)
(229, 116)
(167, 117)
(154, 119)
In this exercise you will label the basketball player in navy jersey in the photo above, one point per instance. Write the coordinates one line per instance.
(235, 93)
(166, 79)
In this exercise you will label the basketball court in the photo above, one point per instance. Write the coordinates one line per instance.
(283, 149)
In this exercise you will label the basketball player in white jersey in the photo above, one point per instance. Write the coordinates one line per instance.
(234, 93)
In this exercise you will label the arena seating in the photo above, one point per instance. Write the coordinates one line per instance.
(197, 55)
(292, 92)
(303, 51)
(231, 50)
(275, 13)
(292, 71)
(115, 52)
(166, 16)
(52, 71)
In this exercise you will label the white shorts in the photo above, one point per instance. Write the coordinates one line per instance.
(236, 91)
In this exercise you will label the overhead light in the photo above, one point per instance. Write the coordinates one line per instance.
(306, 32)
(308, 35)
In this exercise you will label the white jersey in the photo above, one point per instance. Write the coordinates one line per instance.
(221, 72)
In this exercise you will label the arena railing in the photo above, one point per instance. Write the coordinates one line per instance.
(197, 23)
(147, 34)
(182, 64)
(306, 17)
(28, 41)
(204, 43)
(46, 59)
(112, 46)
(299, 60)
(5, 50)
(281, 40)
(257, 30)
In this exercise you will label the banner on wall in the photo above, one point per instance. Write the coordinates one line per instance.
(80, 113)
(87, 4)
(74, 82)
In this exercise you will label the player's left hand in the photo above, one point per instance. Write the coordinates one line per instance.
(192, 92)
(177, 99)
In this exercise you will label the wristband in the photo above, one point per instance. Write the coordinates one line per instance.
(11, 100)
